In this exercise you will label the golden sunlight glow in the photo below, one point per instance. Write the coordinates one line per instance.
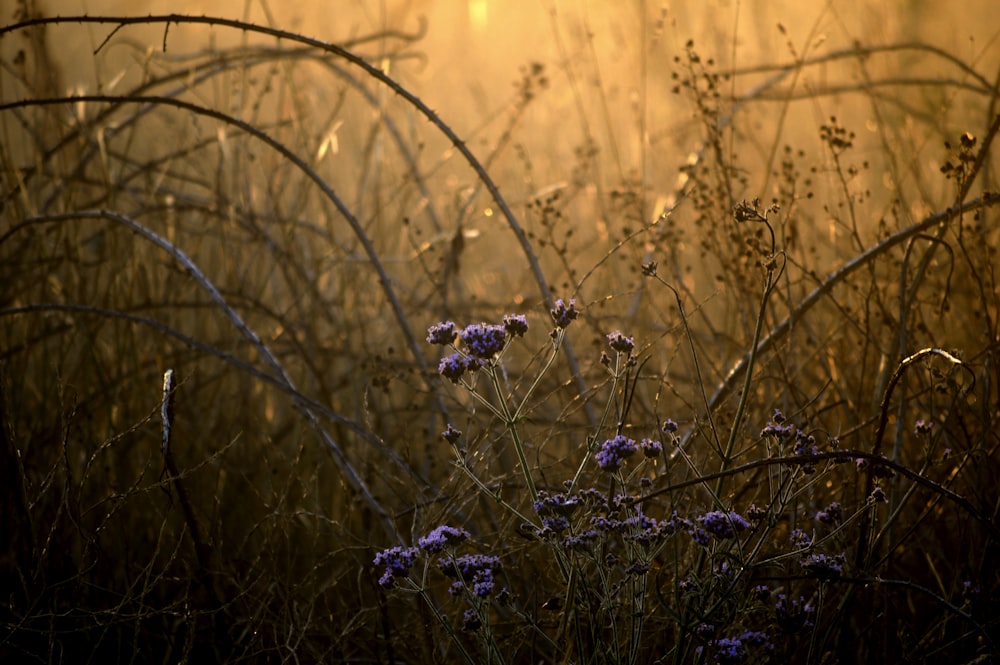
(478, 14)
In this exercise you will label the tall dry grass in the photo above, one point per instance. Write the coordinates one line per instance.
(277, 220)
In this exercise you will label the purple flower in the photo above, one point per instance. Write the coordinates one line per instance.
(515, 324)
(555, 504)
(723, 525)
(669, 426)
(757, 638)
(923, 427)
(824, 566)
(483, 340)
(800, 539)
(831, 514)
(563, 314)
(793, 615)
(726, 651)
(878, 495)
(441, 537)
(651, 448)
(471, 621)
(554, 525)
(441, 333)
(455, 366)
(620, 343)
(397, 562)
(473, 571)
(581, 541)
(777, 427)
(451, 435)
(761, 592)
(614, 451)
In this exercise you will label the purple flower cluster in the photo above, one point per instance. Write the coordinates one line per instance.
(831, 514)
(441, 333)
(581, 541)
(555, 504)
(824, 566)
(794, 615)
(614, 451)
(735, 650)
(651, 448)
(515, 324)
(723, 525)
(476, 572)
(471, 621)
(451, 435)
(620, 343)
(777, 427)
(396, 562)
(455, 366)
(669, 426)
(923, 427)
(563, 314)
(800, 539)
(483, 340)
(441, 537)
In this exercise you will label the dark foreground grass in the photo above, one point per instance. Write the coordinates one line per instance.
(284, 376)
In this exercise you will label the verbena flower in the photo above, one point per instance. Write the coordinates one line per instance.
(651, 448)
(923, 427)
(581, 541)
(473, 571)
(397, 562)
(794, 615)
(441, 537)
(483, 340)
(777, 427)
(614, 451)
(831, 514)
(800, 539)
(441, 333)
(451, 435)
(563, 314)
(554, 525)
(723, 525)
(725, 651)
(471, 621)
(515, 324)
(878, 495)
(824, 566)
(555, 504)
(757, 638)
(620, 343)
(669, 426)
(455, 365)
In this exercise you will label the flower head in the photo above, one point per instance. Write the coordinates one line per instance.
(831, 514)
(451, 435)
(620, 343)
(614, 451)
(397, 562)
(483, 340)
(800, 539)
(651, 448)
(472, 571)
(824, 566)
(723, 525)
(515, 324)
(441, 333)
(441, 537)
(455, 365)
(794, 615)
(563, 314)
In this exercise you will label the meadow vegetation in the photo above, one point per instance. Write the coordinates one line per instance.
(697, 364)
